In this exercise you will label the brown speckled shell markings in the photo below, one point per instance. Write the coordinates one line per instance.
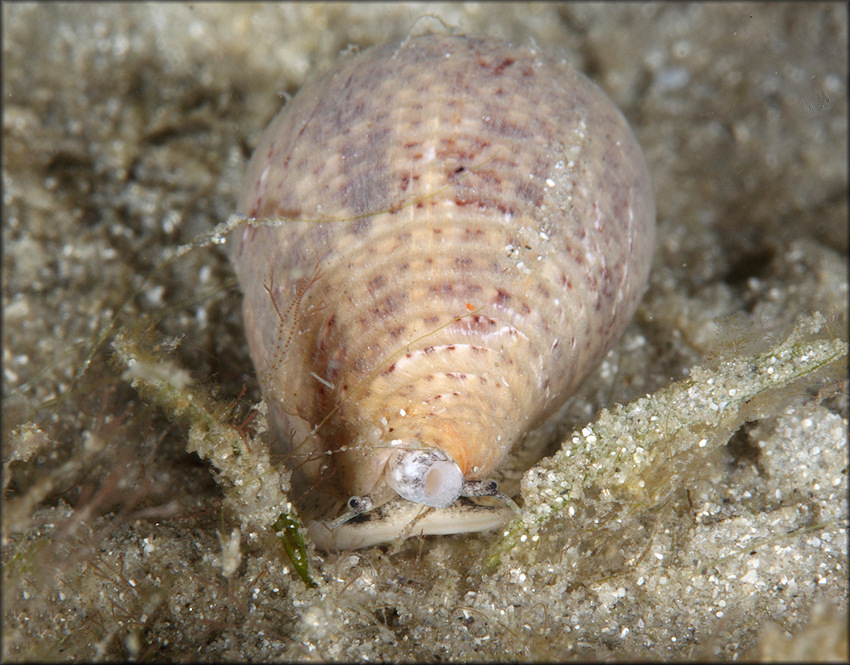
(453, 174)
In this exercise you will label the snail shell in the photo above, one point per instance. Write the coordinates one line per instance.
(447, 236)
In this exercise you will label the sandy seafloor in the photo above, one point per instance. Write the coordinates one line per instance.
(126, 130)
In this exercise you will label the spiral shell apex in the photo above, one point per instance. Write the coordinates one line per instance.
(447, 234)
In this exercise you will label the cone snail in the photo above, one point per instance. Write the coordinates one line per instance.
(445, 236)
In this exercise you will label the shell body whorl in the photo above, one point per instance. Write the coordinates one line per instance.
(466, 227)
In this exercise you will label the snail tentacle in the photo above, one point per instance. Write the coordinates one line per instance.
(476, 488)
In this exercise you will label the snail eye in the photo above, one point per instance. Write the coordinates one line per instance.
(359, 504)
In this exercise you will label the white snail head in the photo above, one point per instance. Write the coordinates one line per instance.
(423, 479)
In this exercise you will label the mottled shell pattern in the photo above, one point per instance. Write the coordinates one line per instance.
(449, 234)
